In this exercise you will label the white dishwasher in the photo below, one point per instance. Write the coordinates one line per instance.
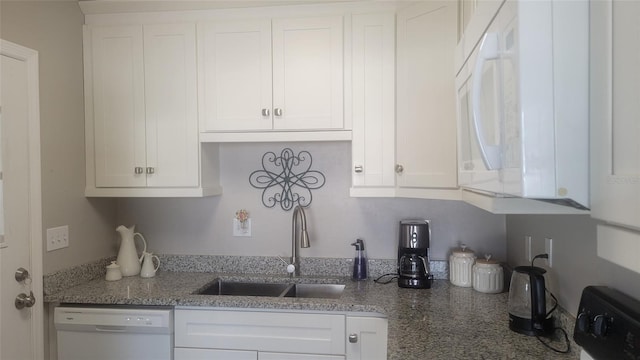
(110, 333)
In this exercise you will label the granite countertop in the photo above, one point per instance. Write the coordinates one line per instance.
(444, 322)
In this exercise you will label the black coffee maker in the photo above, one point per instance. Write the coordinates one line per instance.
(413, 254)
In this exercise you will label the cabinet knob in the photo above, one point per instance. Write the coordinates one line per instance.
(150, 170)
(353, 338)
(265, 112)
(138, 170)
(358, 169)
(277, 112)
(399, 169)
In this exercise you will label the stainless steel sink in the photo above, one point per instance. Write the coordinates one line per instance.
(239, 288)
(325, 291)
(221, 287)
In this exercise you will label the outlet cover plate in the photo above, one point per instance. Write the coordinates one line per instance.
(240, 230)
(57, 238)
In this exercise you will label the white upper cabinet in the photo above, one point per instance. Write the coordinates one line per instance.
(141, 111)
(425, 97)
(235, 73)
(615, 150)
(307, 73)
(118, 113)
(373, 72)
(263, 74)
(171, 105)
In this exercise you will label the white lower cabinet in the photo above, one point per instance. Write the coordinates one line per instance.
(277, 335)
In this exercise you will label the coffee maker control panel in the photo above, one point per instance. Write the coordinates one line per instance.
(608, 324)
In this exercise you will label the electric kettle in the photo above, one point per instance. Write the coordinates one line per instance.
(528, 302)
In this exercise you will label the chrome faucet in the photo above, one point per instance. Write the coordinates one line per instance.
(298, 211)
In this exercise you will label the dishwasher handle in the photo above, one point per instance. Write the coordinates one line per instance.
(111, 328)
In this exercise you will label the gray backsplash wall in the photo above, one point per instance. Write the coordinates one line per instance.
(575, 262)
(335, 220)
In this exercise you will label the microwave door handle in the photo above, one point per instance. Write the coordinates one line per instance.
(488, 50)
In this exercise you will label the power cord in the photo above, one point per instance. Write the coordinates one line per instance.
(379, 280)
(555, 306)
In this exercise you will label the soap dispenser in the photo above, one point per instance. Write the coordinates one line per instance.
(360, 263)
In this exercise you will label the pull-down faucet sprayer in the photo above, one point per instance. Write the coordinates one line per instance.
(298, 212)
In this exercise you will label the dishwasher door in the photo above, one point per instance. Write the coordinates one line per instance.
(108, 333)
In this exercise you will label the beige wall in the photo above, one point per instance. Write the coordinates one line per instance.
(54, 29)
(335, 220)
(575, 263)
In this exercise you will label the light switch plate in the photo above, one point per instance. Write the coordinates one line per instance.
(239, 230)
(57, 238)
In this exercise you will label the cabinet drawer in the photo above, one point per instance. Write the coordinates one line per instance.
(261, 331)
(213, 354)
(283, 356)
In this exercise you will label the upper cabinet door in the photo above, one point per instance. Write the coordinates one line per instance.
(615, 150)
(615, 85)
(117, 73)
(308, 73)
(373, 69)
(426, 110)
(171, 105)
(235, 75)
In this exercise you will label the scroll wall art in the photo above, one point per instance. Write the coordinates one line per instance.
(287, 180)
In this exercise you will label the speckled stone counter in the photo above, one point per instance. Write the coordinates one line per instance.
(444, 322)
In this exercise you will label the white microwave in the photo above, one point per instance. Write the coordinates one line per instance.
(522, 93)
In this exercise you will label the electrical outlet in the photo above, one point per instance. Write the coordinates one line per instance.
(57, 238)
(548, 249)
(240, 229)
(527, 248)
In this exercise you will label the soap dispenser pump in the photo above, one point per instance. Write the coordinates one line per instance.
(360, 263)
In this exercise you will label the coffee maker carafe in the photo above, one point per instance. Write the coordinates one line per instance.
(413, 254)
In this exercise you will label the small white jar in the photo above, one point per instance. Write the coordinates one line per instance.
(113, 272)
(461, 266)
(488, 276)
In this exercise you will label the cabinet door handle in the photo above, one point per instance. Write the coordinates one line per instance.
(353, 338)
(265, 112)
(358, 169)
(399, 169)
(150, 170)
(277, 112)
(138, 170)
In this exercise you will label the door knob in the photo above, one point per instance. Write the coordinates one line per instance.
(23, 300)
(150, 170)
(358, 169)
(277, 112)
(22, 275)
(399, 169)
(138, 170)
(353, 338)
(265, 112)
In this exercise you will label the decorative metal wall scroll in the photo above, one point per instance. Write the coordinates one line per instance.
(286, 179)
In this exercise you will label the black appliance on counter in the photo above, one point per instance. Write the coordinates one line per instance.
(413, 254)
(608, 324)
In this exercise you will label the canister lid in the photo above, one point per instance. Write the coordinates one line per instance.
(463, 251)
(487, 261)
(113, 265)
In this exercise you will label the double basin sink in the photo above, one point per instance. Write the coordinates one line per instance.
(239, 288)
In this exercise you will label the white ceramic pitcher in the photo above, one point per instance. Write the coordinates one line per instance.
(128, 255)
(148, 269)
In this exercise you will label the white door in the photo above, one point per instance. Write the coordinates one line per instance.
(21, 330)
(367, 338)
(308, 73)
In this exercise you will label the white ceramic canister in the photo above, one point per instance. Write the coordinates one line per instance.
(488, 276)
(113, 272)
(461, 266)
